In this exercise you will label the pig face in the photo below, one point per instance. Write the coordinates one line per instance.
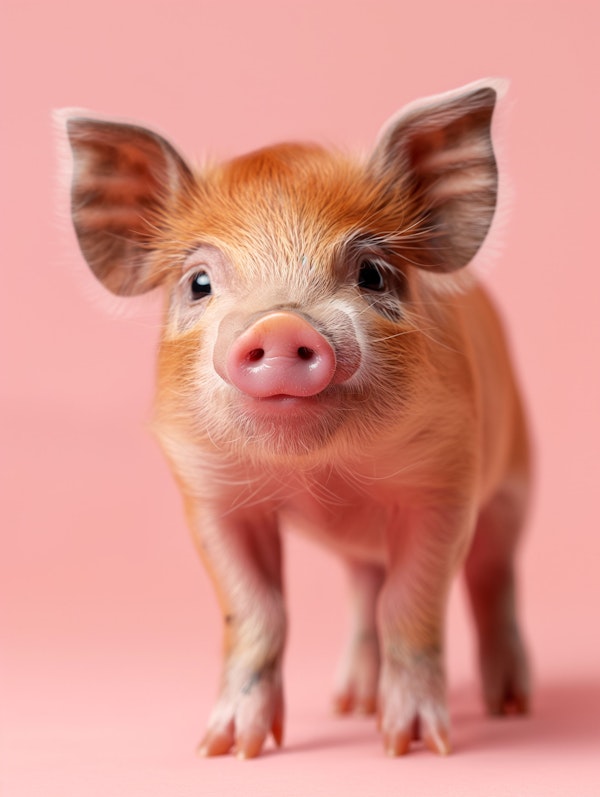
(298, 281)
(288, 337)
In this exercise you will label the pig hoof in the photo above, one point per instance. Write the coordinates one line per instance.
(356, 689)
(241, 723)
(505, 677)
(221, 742)
(435, 735)
(348, 702)
(216, 742)
(436, 739)
(412, 706)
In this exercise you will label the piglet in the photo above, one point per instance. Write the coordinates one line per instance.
(322, 368)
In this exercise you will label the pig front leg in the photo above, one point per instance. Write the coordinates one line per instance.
(358, 674)
(425, 548)
(243, 558)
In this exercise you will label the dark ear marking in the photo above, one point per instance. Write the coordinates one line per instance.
(124, 177)
(440, 151)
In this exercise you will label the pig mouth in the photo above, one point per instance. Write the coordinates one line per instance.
(282, 424)
(286, 398)
(283, 405)
(329, 395)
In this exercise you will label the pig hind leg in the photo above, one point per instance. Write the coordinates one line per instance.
(490, 576)
(358, 673)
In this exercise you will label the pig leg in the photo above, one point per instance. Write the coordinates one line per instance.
(244, 561)
(425, 547)
(358, 675)
(491, 584)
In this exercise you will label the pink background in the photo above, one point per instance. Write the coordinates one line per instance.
(109, 627)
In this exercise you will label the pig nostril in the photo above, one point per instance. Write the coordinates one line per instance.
(305, 353)
(255, 355)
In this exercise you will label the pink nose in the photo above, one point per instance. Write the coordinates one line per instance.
(280, 354)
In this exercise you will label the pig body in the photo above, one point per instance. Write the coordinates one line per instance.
(322, 370)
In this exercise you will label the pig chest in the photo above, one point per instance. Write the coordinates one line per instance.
(347, 518)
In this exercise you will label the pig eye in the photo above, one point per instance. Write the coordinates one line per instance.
(369, 277)
(200, 285)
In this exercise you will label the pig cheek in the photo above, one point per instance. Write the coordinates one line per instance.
(186, 383)
(391, 366)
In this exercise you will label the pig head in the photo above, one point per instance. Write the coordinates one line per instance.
(322, 368)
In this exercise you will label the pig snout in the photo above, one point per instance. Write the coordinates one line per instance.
(280, 354)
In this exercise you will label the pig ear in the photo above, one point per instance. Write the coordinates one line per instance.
(124, 178)
(440, 150)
